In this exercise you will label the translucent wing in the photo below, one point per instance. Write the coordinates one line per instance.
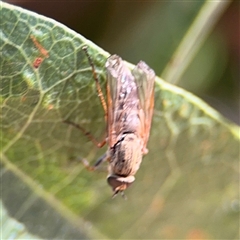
(122, 101)
(145, 77)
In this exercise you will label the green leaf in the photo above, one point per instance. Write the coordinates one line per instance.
(12, 228)
(188, 182)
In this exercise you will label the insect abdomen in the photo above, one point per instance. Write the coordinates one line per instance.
(126, 155)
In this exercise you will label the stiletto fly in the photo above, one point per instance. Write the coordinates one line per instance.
(128, 114)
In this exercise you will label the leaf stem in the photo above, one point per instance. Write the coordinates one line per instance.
(193, 39)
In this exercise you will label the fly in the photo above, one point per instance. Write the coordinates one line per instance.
(128, 114)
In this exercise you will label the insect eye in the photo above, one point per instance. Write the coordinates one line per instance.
(120, 183)
(113, 182)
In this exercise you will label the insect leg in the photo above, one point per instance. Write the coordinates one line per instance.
(86, 133)
(102, 159)
(100, 93)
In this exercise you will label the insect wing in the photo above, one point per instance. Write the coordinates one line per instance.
(122, 98)
(145, 77)
(112, 76)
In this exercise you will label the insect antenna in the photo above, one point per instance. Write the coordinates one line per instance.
(122, 194)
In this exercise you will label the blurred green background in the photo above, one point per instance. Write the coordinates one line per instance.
(151, 31)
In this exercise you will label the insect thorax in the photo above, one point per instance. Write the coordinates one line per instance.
(126, 155)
